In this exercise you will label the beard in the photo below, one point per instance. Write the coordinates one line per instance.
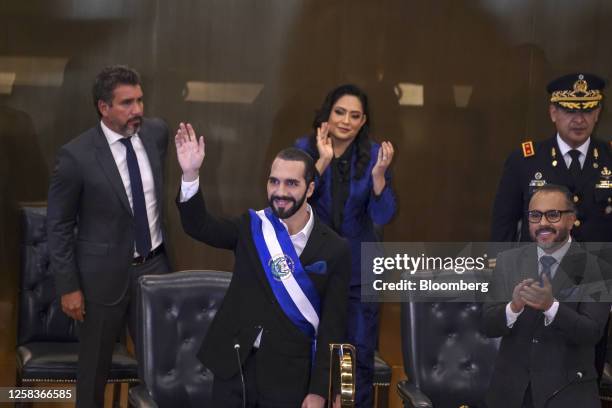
(559, 240)
(284, 213)
(130, 129)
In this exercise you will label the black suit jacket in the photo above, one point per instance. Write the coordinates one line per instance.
(284, 356)
(514, 192)
(558, 358)
(86, 192)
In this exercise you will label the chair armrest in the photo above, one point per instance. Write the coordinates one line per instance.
(382, 371)
(412, 396)
(139, 397)
(605, 385)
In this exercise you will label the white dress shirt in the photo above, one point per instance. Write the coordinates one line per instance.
(565, 149)
(148, 183)
(549, 315)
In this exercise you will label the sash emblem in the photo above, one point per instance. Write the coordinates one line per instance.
(281, 266)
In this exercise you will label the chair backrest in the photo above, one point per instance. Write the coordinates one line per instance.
(175, 313)
(40, 313)
(446, 353)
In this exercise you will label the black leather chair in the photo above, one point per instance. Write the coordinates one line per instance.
(176, 310)
(47, 344)
(382, 381)
(447, 359)
(605, 386)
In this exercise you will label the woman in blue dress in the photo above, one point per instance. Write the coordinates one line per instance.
(352, 195)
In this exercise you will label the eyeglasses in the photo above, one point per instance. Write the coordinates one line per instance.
(535, 216)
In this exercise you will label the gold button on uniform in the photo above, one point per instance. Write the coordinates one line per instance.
(577, 223)
(576, 199)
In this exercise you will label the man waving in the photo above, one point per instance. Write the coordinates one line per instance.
(288, 296)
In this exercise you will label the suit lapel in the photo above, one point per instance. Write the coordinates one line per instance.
(528, 269)
(325, 198)
(570, 271)
(314, 244)
(560, 171)
(356, 186)
(107, 162)
(529, 265)
(588, 172)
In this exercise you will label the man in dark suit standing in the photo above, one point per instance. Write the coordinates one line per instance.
(288, 296)
(107, 184)
(555, 315)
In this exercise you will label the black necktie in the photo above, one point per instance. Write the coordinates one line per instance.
(143, 235)
(547, 263)
(574, 167)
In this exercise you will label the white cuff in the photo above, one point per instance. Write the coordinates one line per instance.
(189, 189)
(549, 315)
(511, 316)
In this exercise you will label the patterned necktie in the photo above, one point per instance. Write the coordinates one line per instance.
(143, 235)
(547, 263)
(574, 168)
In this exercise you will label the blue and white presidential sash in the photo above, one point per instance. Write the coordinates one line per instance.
(293, 289)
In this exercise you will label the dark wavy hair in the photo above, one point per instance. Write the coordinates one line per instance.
(108, 79)
(362, 140)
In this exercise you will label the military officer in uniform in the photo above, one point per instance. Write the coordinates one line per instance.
(572, 158)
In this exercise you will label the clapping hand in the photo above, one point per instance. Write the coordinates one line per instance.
(538, 296)
(324, 143)
(385, 156)
(518, 303)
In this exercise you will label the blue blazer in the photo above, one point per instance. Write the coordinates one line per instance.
(362, 208)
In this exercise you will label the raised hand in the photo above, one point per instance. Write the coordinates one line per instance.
(324, 143)
(385, 156)
(189, 151)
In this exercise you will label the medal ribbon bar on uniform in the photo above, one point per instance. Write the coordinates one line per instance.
(528, 150)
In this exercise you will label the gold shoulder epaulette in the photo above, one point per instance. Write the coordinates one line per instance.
(528, 149)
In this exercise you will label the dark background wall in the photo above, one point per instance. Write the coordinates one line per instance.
(482, 66)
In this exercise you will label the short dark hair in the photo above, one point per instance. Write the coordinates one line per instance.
(295, 154)
(557, 188)
(108, 79)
